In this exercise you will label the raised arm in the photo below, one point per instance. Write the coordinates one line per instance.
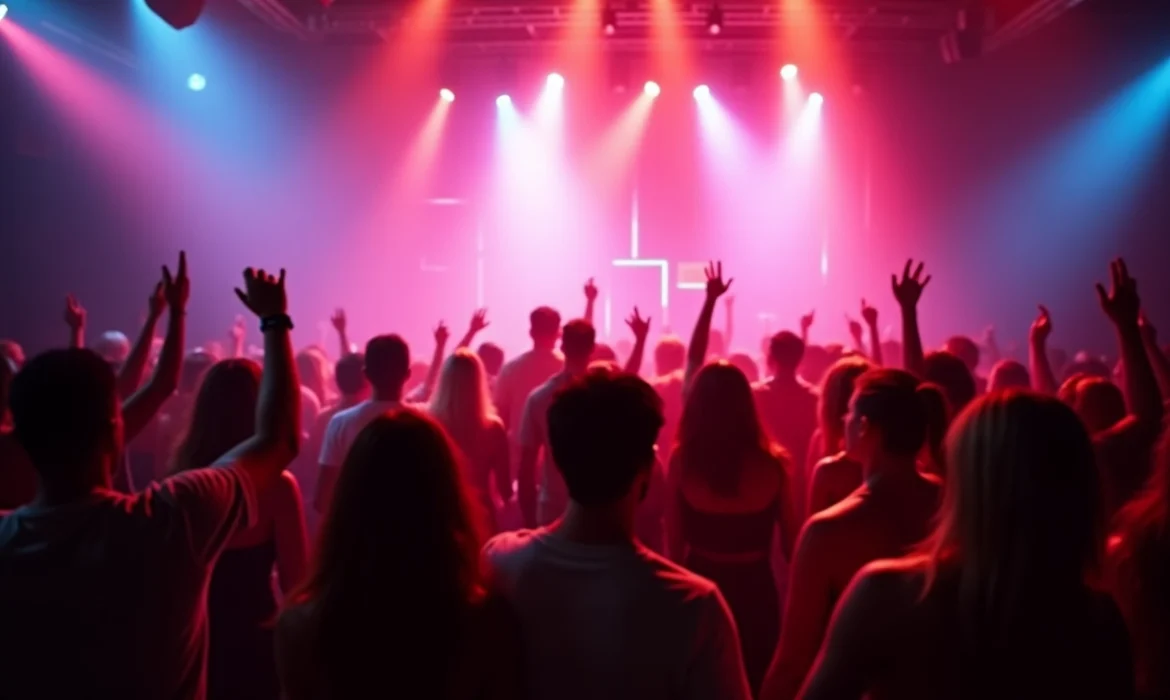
(75, 319)
(278, 411)
(697, 350)
(130, 376)
(907, 292)
(423, 393)
(641, 328)
(806, 322)
(856, 333)
(1142, 398)
(1158, 359)
(728, 321)
(236, 335)
(1043, 379)
(478, 323)
(590, 300)
(869, 314)
(141, 407)
(341, 325)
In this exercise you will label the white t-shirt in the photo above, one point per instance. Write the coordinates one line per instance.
(107, 597)
(615, 622)
(517, 380)
(344, 427)
(554, 495)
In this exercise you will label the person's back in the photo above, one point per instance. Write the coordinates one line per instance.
(788, 407)
(524, 373)
(833, 480)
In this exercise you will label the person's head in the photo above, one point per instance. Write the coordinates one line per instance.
(953, 376)
(1008, 374)
(720, 428)
(785, 353)
(577, 342)
(886, 418)
(745, 364)
(224, 414)
(313, 370)
(387, 364)
(603, 353)
(544, 327)
(351, 377)
(493, 358)
(462, 402)
(1098, 402)
(965, 349)
(401, 529)
(195, 366)
(1022, 512)
(11, 350)
(670, 355)
(816, 362)
(602, 430)
(67, 417)
(833, 406)
(938, 419)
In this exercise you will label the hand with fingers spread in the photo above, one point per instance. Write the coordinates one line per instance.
(909, 290)
(157, 303)
(590, 290)
(1041, 327)
(478, 321)
(716, 287)
(177, 288)
(807, 320)
(74, 313)
(264, 294)
(869, 314)
(338, 320)
(1121, 303)
(640, 326)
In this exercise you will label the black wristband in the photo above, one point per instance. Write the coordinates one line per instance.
(278, 321)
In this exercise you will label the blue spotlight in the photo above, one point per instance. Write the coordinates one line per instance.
(196, 82)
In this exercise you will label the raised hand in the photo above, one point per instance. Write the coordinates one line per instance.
(590, 290)
(806, 321)
(869, 314)
(237, 331)
(177, 288)
(157, 303)
(1121, 303)
(441, 334)
(264, 294)
(478, 321)
(909, 290)
(338, 320)
(74, 313)
(640, 326)
(855, 330)
(1041, 327)
(716, 287)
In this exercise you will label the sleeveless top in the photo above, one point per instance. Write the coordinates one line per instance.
(729, 533)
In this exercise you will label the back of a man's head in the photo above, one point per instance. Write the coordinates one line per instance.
(670, 355)
(492, 356)
(785, 351)
(350, 374)
(65, 410)
(544, 325)
(602, 430)
(578, 341)
(950, 372)
(888, 399)
(387, 362)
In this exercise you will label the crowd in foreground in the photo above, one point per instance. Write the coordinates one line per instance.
(556, 527)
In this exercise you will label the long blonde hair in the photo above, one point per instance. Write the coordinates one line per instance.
(462, 402)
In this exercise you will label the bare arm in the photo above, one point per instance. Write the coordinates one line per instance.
(130, 376)
(278, 432)
(590, 300)
(292, 539)
(728, 322)
(501, 462)
(806, 322)
(641, 328)
(341, 325)
(870, 315)
(1043, 379)
(1158, 359)
(141, 407)
(526, 484)
(908, 291)
(424, 392)
(75, 319)
(236, 335)
(1142, 397)
(697, 351)
(478, 323)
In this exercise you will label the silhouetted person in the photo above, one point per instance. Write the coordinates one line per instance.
(997, 603)
(524, 373)
(670, 357)
(968, 352)
(834, 475)
(395, 603)
(104, 594)
(888, 514)
(1008, 374)
(602, 616)
(788, 407)
(353, 388)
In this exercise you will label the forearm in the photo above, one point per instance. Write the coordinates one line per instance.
(634, 363)
(77, 337)
(141, 407)
(1142, 396)
(1160, 364)
(130, 378)
(912, 355)
(343, 341)
(1043, 379)
(278, 412)
(428, 386)
(589, 304)
(875, 345)
(467, 339)
(697, 350)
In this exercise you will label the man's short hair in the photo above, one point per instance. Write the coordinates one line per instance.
(951, 373)
(602, 430)
(578, 340)
(544, 322)
(350, 373)
(670, 354)
(786, 350)
(965, 349)
(888, 400)
(64, 404)
(492, 356)
(387, 360)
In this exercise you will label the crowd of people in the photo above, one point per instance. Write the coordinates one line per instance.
(879, 521)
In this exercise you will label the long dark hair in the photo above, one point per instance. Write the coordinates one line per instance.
(836, 390)
(224, 414)
(397, 563)
(720, 429)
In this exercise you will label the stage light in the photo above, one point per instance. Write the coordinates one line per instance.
(788, 72)
(715, 20)
(3, 11)
(816, 99)
(555, 81)
(651, 88)
(503, 101)
(196, 82)
(446, 95)
(702, 92)
(609, 21)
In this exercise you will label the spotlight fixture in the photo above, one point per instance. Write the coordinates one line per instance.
(196, 82)
(3, 11)
(702, 92)
(503, 101)
(555, 81)
(446, 95)
(816, 99)
(789, 72)
(609, 21)
(651, 88)
(715, 20)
